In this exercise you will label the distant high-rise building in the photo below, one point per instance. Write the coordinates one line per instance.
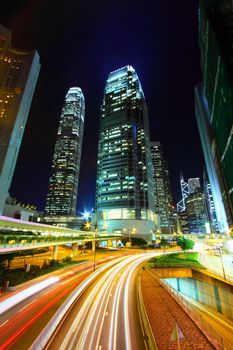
(19, 71)
(181, 205)
(124, 195)
(183, 222)
(193, 184)
(63, 184)
(214, 103)
(196, 212)
(210, 205)
(192, 209)
(162, 192)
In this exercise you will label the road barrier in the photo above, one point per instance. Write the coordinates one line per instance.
(209, 331)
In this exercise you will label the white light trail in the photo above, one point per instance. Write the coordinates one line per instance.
(90, 322)
(26, 293)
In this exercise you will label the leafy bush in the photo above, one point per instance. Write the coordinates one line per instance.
(67, 259)
(188, 260)
(185, 243)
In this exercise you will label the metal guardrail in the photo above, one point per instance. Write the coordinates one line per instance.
(31, 245)
(196, 316)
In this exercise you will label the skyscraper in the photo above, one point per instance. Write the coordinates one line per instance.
(197, 212)
(19, 71)
(193, 184)
(210, 204)
(63, 184)
(214, 103)
(124, 195)
(162, 192)
(192, 209)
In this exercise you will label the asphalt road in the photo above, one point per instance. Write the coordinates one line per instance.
(21, 324)
(106, 314)
(215, 264)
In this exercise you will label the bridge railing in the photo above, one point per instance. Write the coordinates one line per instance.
(219, 341)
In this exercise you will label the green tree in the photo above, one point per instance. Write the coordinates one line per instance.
(185, 243)
(163, 242)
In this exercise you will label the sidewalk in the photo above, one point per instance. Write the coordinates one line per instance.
(164, 312)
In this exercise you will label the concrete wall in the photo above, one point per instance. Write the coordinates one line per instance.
(215, 297)
(133, 228)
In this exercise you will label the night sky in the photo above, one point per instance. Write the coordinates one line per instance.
(80, 42)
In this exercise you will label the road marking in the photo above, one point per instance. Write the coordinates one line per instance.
(49, 291)
(100, 347)
(27, 305)
(106, 314)
(4, 323)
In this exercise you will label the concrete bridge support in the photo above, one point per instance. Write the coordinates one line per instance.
(55, 251)
(75, 248)
(109, 243)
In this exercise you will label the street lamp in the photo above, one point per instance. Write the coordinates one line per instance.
(94, 249)
(87, 225)
(223, 269)
(133, 232)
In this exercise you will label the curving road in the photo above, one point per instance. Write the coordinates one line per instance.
(21, 323)
(106, 314)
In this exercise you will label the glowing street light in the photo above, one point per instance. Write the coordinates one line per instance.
(94, 248)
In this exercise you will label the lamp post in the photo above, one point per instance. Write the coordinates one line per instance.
(93, 249)
(223, 269)
(131, 232)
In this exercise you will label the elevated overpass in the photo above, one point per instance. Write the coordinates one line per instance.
(18, 235)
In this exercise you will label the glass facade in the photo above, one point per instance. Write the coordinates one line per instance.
(196, 212)
(162, 192)
(216, 45)
(63, 184)
(19, 71)
(124, 170)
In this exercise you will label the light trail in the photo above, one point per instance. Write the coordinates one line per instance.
(104, 309)
(26, 293)
(85, 309)
(23, 308)
(3, 324)
(24, 318)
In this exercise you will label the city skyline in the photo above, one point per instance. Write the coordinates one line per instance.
(145, 52)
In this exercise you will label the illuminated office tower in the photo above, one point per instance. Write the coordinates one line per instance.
(63, 184)
(193, 184)
(19, 71)
(210, 204)
(162, 192)
(214, 103)
(196, 208)
(197, 212)
(124, 196)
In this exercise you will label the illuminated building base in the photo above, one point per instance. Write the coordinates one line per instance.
(129, 228)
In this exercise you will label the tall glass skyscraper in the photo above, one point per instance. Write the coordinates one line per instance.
(214, 103)
(124, 196)
(19, 71)
(162, 192)
(63, 184)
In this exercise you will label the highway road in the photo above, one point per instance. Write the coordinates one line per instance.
(106, 315)
(20, 325)
(214, 263)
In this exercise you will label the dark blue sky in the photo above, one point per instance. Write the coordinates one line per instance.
(79, 43)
